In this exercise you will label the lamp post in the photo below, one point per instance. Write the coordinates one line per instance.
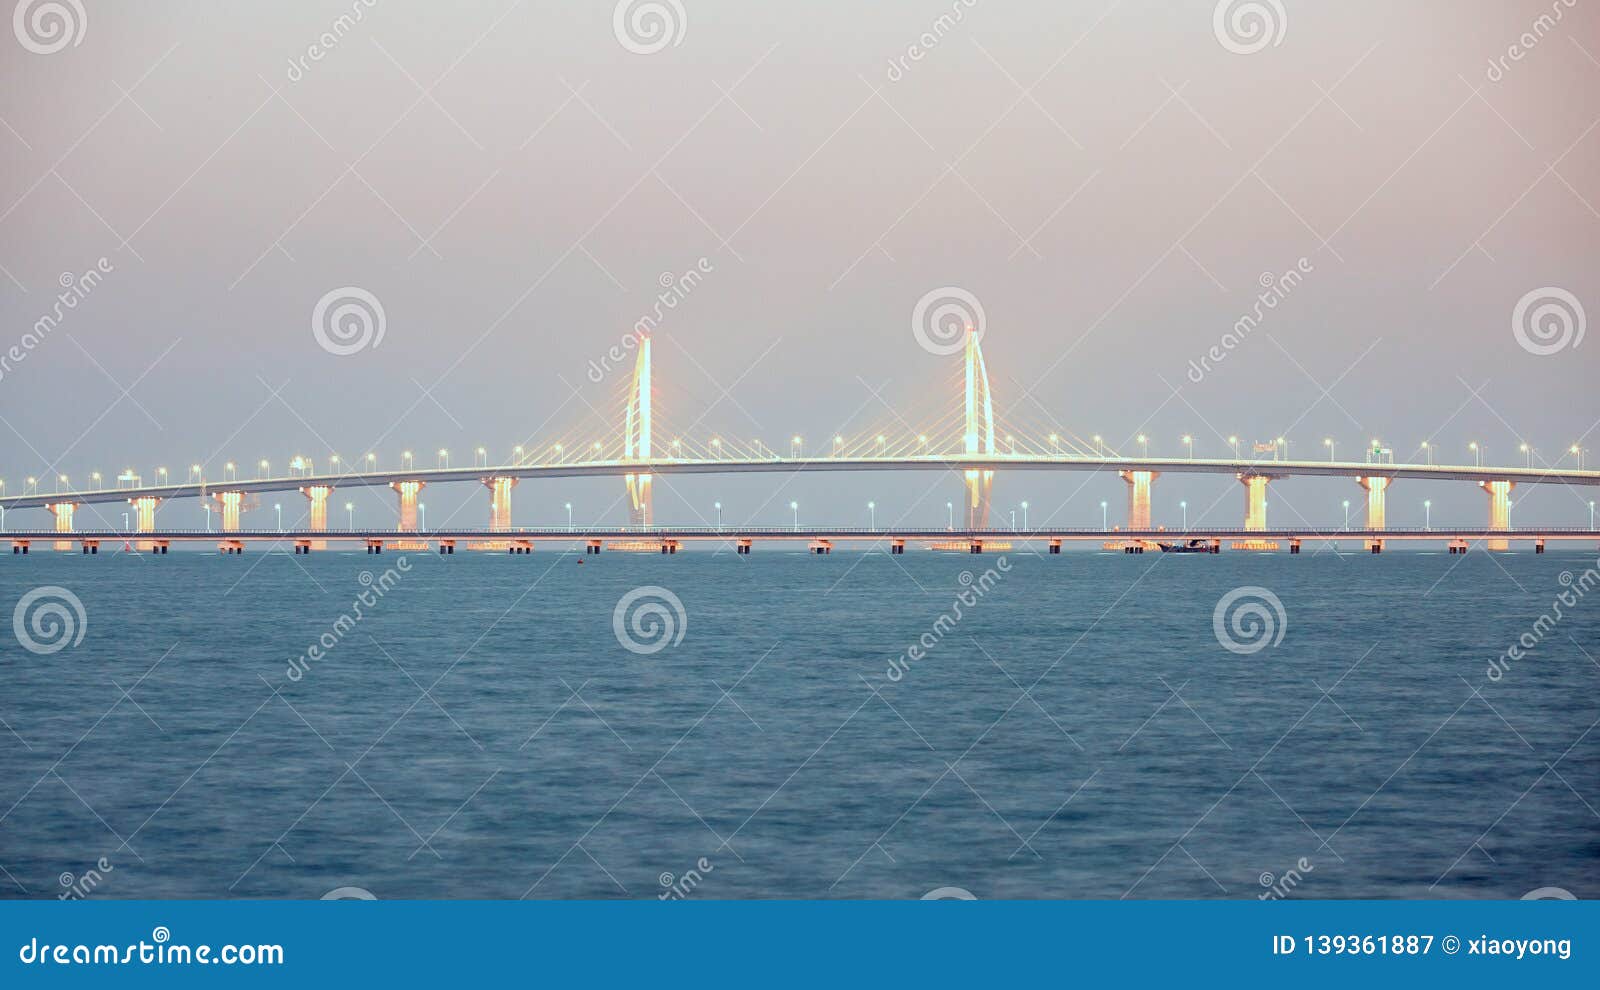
(1328, 443)
(1144, 445)
(1234, 443)
(1188, 442)
(950, 510)
(1427, 513)
(422, 516)
(1105, 524)
(1283, 446)
(372, 462)
(278, 508)
(797, 446)
(569, 517)
(1477, 453)
(1591, 515)
(1025, 515)
(1575, 449)
(838, 442)
(1099, 445)
(1427, 452)
(444, 458)
(872, 515)
(795, 508)
(719, 514)
(1185, 507)
(1527, 453)
(405, 459)
(482, 458)
(1346, 513)
(1055, 443)
(350, 511)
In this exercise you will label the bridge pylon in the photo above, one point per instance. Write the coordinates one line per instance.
(63, 511)
(1499, 493)
(144, 517)
(317, 512)
(979, 436)
(636, 437)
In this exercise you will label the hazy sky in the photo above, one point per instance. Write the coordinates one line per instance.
(1111, 180)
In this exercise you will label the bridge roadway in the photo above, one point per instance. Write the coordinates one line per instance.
(934, 462)
(684, 534)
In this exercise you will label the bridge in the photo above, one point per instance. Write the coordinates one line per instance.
(972, 449)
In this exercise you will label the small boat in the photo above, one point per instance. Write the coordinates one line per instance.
(1193, 546)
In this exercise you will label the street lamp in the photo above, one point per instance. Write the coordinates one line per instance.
(1346, 513)
(1024, 514)
(719, 514)
(716, 444)
(1011, 443)
(516, 455)
(1185, 507)
(1099, 445)
(922, 443)
(1328, 443)
(161, 475)
(406, 459)
(1427, 513)
(372, 462)
(569, 517)
(1528, 453)
(797, 446)
(422, 516)
(838, 442)
(950, 511)
(1591, 515)
(1477, 453)
(278, 508)
(1144, 445)
(483, 458)
(1104, 522)
(1188, 441)
(350, 509)
(266, 468)
(872, 515)
(1055, 442)
(194, 473)
(795, 507)
(1427, 451)
(1234, 443)
(1575, 449)
(1281, 445)
(882, 440)
(444, 458)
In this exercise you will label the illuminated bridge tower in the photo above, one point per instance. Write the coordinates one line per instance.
(979, 436)
(1499, 493)
(636, 439)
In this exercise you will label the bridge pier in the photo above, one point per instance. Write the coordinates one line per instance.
(518, 547)
(897, 547)
(743, 546)
(303, 547)
(1499, 493)
(317, 511)
(1376, 516)
(408, 492)
(63, 511)
(91, 546)
(374, 546)
(144, 516)
(500, 501)
(230, 547)
(820, 547)
(447, 547)
(593, 546)
(1255, 510)
(230, 505)
(1458, 546)
(1055, 545)
(1139, 483)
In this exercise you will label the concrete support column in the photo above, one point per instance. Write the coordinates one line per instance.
(144, 515)
(408, 503)
(1376, 487)
(1139, 483)
(230, 505)
(500, 501)
(317, 512)
(63, 511)
(1499, 493)
(1255, 500)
